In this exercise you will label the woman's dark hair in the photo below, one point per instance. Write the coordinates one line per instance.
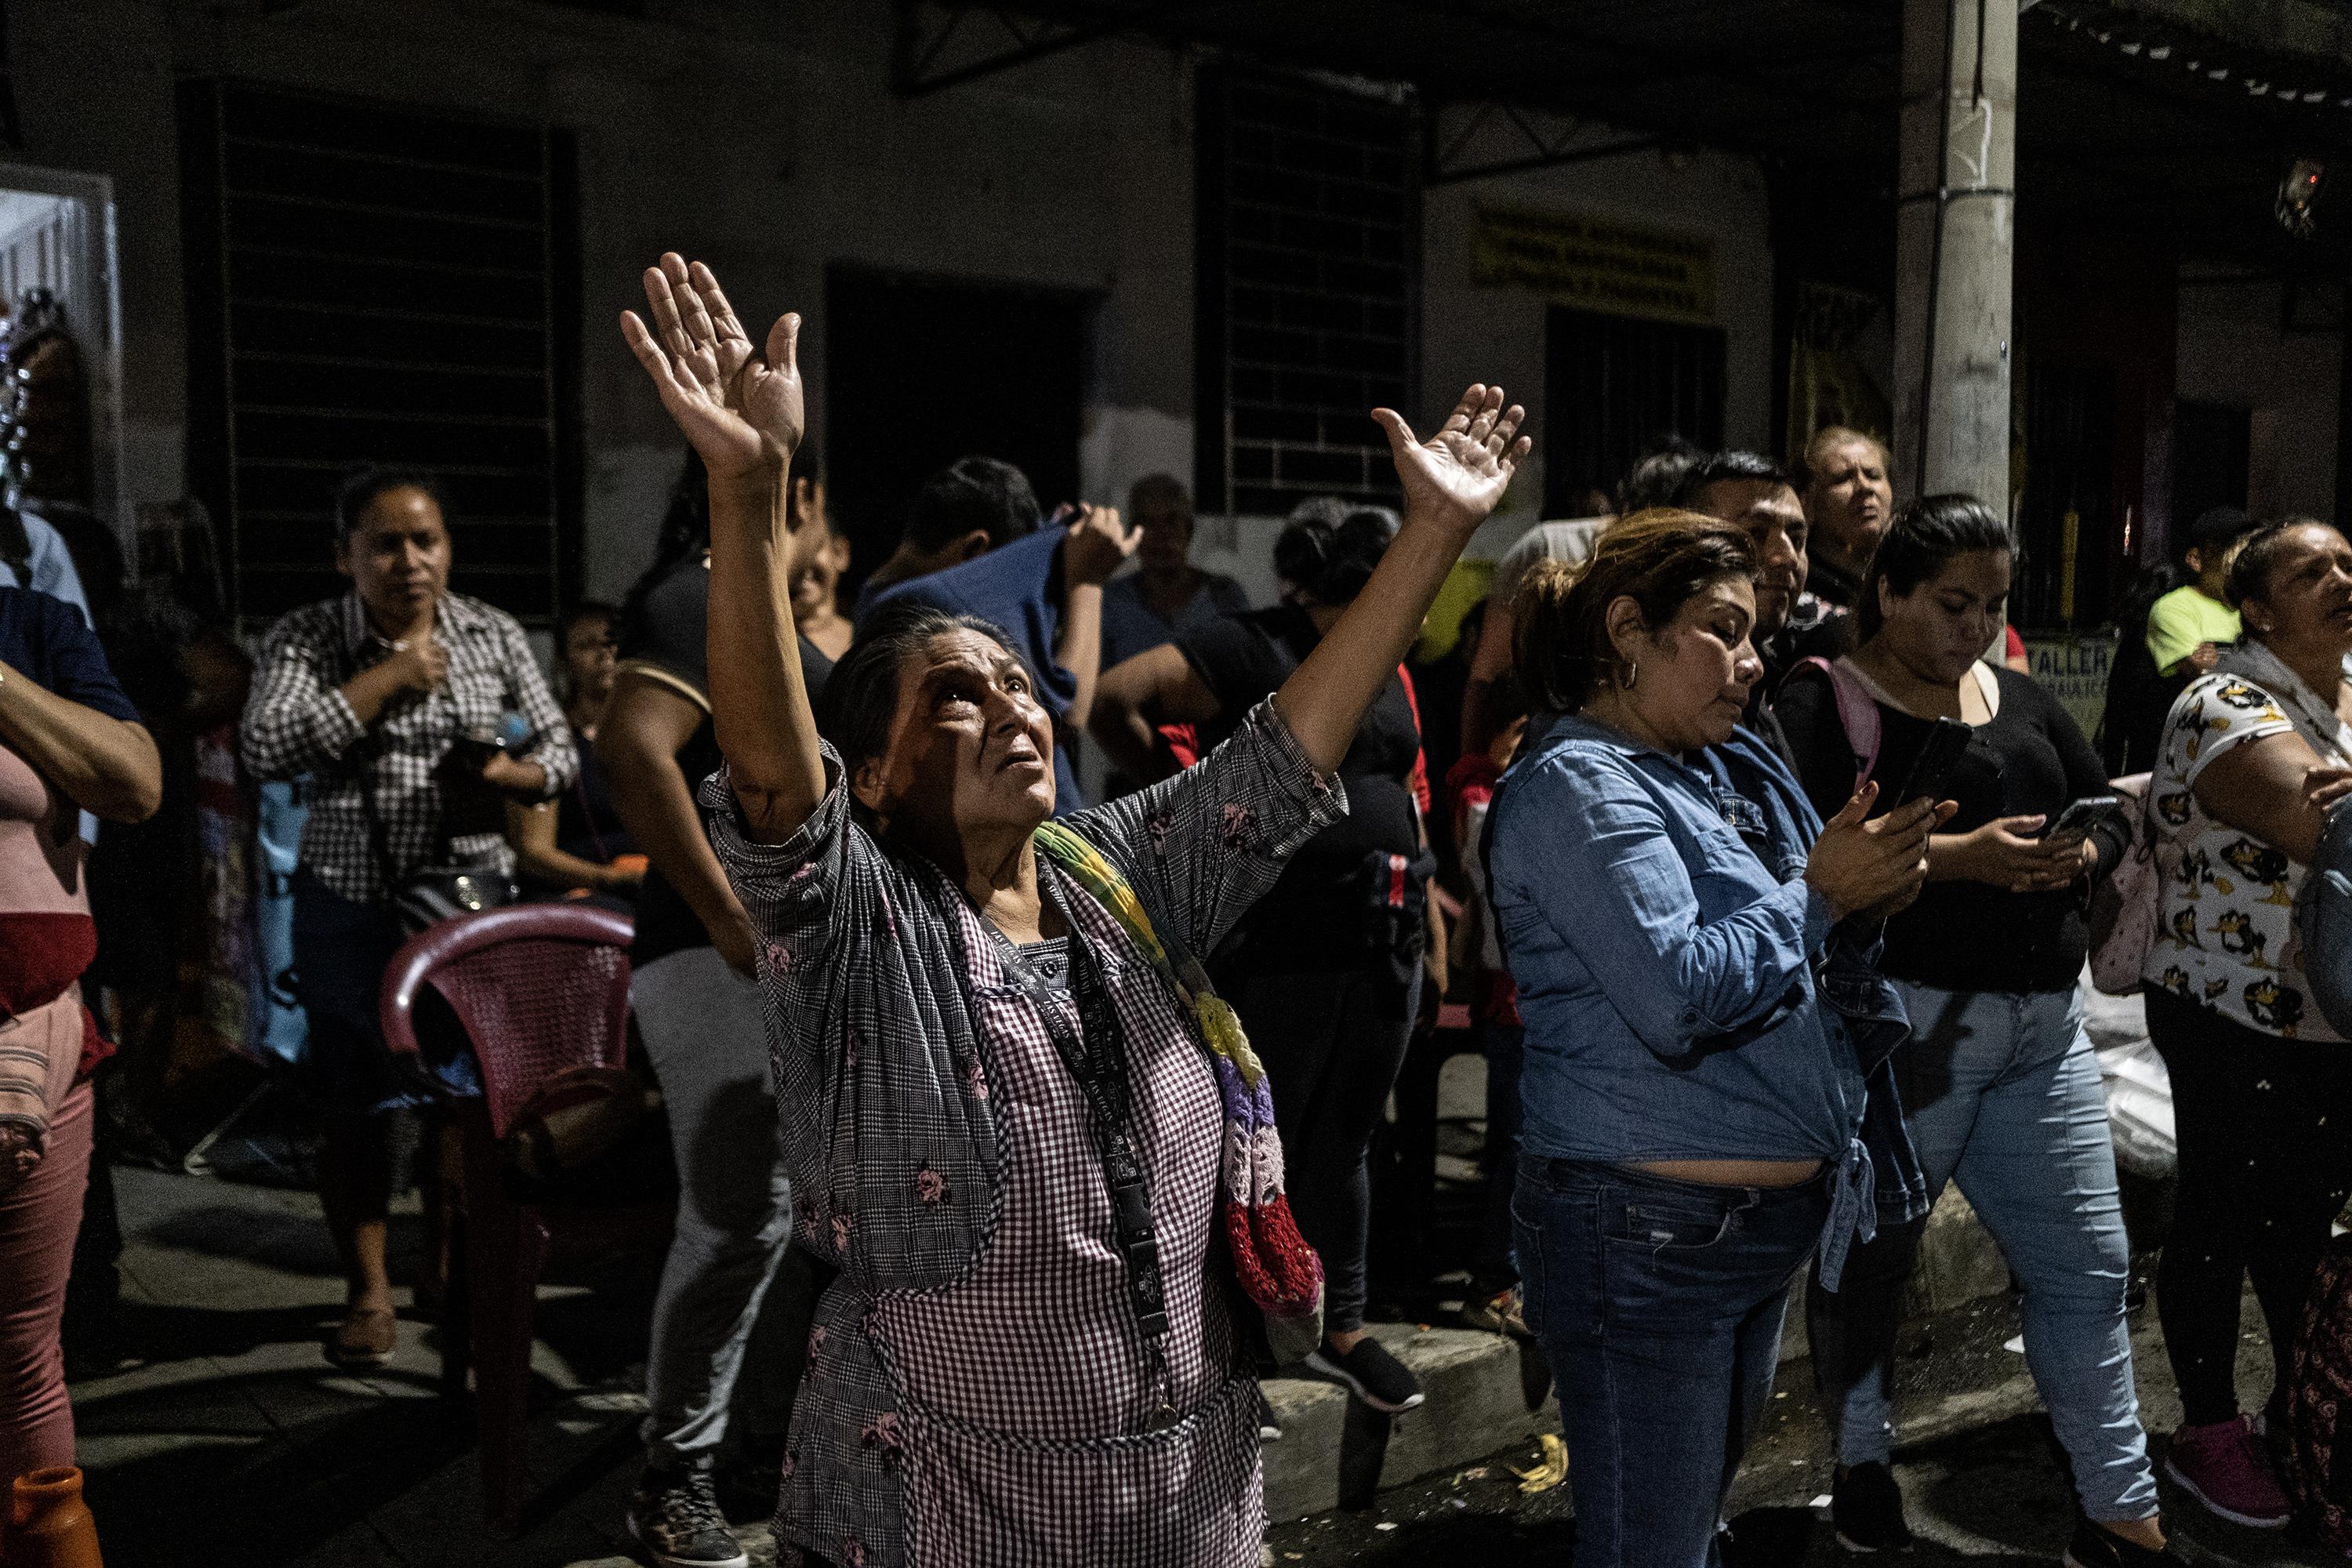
(360, 486)
(861, 696)
(685, 531)
(1330, 562)
(1660, 559)
(1925, 537)
(2256, 561)
(686, 524)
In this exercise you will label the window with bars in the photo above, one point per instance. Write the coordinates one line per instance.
(1306, 284)
(1614, 387)
(370, 283)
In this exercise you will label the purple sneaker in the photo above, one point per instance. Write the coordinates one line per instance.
(2222, 1466)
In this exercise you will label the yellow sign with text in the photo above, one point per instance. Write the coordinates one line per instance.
(1596, 263)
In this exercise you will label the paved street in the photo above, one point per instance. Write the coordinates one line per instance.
(230, 1441)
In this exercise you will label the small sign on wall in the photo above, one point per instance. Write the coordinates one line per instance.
(2074, 670)
(1596, 263)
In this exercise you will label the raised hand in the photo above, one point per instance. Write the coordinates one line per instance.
(739, 406)
(1456, 477)
(1098, 544)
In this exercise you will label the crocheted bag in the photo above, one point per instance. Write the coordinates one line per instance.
(1277, 1270)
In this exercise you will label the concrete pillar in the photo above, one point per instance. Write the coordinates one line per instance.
(1955, 233)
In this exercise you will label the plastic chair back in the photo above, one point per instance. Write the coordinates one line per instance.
(537, 987)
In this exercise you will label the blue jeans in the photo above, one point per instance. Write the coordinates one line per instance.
(2002, 1095)
(1659, 1303)
(341, 949)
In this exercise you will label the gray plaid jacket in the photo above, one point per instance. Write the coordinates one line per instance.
(888, 1092)
(296, 722)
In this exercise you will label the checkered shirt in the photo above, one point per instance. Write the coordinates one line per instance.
(298, 723)
(978, 1391)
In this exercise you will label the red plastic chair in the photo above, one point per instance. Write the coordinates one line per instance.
(538, 988)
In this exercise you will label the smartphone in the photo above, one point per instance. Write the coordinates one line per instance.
(471, 752)
(1937, 759)
(2076, 820)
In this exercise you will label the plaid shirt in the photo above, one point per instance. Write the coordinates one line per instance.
(298, 723)
(977, 1386)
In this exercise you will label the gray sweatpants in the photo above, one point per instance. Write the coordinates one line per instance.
(701, 1025)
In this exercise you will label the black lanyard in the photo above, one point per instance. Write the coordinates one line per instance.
(1094, 1055)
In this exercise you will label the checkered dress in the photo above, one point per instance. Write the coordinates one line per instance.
(296, 722)
(978, 1393)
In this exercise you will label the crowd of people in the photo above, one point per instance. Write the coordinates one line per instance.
(1017, 1133)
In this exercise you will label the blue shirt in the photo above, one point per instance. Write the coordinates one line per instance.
(1018, 587)
(47, 642)
(1664, 942)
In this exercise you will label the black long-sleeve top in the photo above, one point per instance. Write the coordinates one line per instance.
(2031, 760)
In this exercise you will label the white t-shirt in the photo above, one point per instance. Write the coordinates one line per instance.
(2225, 936)
(1571, 539)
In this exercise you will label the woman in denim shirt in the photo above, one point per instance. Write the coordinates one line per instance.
(1693, 1101)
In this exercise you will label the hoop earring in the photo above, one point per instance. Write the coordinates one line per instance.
(1630, 674)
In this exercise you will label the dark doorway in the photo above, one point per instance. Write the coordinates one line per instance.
(2212, 448)
(921, 372)
(2067, 517)
(1614, 387)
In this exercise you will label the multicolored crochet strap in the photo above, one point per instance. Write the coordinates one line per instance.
(1279, 1271)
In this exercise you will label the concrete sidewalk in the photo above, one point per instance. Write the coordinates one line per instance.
(235, 1443)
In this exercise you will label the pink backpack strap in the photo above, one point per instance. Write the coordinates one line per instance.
(1857, 713)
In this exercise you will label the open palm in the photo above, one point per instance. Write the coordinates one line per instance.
(740, 407)
(1458, 475)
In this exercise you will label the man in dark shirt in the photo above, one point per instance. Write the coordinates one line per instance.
(1757, 493)
(698, 1013)
(971, 507)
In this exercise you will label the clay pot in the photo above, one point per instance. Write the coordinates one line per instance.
(49, 1524)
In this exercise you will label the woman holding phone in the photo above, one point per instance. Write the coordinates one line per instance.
(1999, 1083)
(1695, 1121)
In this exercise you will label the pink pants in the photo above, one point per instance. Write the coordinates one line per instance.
(37, 1224)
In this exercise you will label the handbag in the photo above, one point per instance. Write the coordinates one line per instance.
(431, 894)
(423, 896)
(2126, 907)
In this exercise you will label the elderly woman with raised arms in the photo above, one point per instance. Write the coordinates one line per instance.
(1031, 1140)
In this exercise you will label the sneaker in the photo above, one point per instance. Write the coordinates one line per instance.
(1505, 1312)
(1371, 1375)
(2222, 1466)
(2094, 1548)
(674, 1514)
(1866, 1509)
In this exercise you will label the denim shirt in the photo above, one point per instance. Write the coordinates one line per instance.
(1671, 962)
